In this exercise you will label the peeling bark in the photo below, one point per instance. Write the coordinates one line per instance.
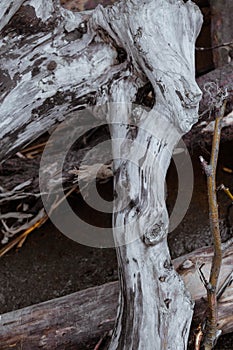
(55, 62)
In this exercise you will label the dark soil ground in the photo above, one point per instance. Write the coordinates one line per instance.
(50, 265)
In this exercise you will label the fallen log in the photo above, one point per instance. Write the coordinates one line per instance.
(55, 63)
(78, 320)
(54, 42)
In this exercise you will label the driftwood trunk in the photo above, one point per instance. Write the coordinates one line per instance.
(54, 63)
(79, 320)
(154, 308)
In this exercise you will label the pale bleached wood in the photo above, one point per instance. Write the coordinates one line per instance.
(81, 318)
(50, 67)
(154, 306)
(55, 62)
(188, 267)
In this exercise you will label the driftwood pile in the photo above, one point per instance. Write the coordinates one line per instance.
(55, 64)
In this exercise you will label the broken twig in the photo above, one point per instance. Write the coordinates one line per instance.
(227, 191)
(21, 238)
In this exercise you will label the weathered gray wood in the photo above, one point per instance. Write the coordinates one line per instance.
(70, 321)
(154, 305)
(52, 63)
(31, 62)
(105, 56)
(79, 319)
(188, 268)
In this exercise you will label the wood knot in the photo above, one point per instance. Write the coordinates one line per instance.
(156, 234)
(51, 65)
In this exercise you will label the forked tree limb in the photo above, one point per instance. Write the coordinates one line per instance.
(36, 65)
(37, 47)
(56, 62)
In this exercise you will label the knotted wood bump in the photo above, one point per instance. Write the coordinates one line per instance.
(156, 234)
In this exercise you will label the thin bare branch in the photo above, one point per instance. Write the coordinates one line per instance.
(227, 191)
(211, 332)
(21, 238)
(214, 47)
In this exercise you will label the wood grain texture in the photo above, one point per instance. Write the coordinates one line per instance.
(154, 305)
(81, 318)
(56, 62)
(50, 67)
